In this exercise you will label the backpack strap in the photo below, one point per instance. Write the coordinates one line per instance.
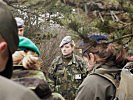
(106, 74)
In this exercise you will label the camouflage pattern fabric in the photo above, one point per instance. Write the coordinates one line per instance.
(28, 78)
(65, 79)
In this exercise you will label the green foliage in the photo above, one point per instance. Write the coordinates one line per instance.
(112, 17)
(38, 5)
(60, 8)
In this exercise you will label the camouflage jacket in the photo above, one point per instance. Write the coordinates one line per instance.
(28, 78)
(65, 79)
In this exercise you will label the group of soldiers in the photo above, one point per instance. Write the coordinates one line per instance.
(65, 74)
(69, 76)
(24, 66)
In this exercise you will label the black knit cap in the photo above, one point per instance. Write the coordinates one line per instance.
(8, 27)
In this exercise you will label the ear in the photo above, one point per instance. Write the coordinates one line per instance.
(3, 46)
(92, 57)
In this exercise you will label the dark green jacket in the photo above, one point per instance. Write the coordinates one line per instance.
(96, 87)
(65, 79)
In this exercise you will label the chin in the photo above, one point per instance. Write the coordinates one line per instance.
(65, 54)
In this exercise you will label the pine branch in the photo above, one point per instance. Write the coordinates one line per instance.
(92, 6)
(123, 37)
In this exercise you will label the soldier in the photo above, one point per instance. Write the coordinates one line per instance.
(20, 25)
(105, 60)
(27, 54)
(27, 64)
(27, 50)
(67, 71)
(95, 36)
(26, 60)
(8, 45)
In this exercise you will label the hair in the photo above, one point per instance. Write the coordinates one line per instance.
(72, 45)
(43, 91)
(110, 54)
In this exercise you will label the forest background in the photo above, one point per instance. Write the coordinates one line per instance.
(48, 21)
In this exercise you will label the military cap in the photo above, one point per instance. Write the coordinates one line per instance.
(20, 22)
(95, 37)
(65, 40)
(25, 43)
(8, 27)
(98, 37)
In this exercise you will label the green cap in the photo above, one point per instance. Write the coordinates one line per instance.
(25, 43)
(8, 28)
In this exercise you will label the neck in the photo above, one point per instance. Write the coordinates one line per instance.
(67, 56)
(3, 63)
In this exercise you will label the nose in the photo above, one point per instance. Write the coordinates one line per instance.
(64, 49)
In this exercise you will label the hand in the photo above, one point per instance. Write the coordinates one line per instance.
(31, 62)
(18, 56)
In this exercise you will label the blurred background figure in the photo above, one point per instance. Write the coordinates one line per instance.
(20, 24)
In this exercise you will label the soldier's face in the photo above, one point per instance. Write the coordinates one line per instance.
(90, 61)
(67, 49)
(20, 31)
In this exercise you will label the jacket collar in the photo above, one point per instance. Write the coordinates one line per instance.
(105, 68)
(72, 61)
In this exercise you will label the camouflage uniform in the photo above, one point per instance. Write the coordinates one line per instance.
(28, 78)
(27, 70)
(65, 78)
